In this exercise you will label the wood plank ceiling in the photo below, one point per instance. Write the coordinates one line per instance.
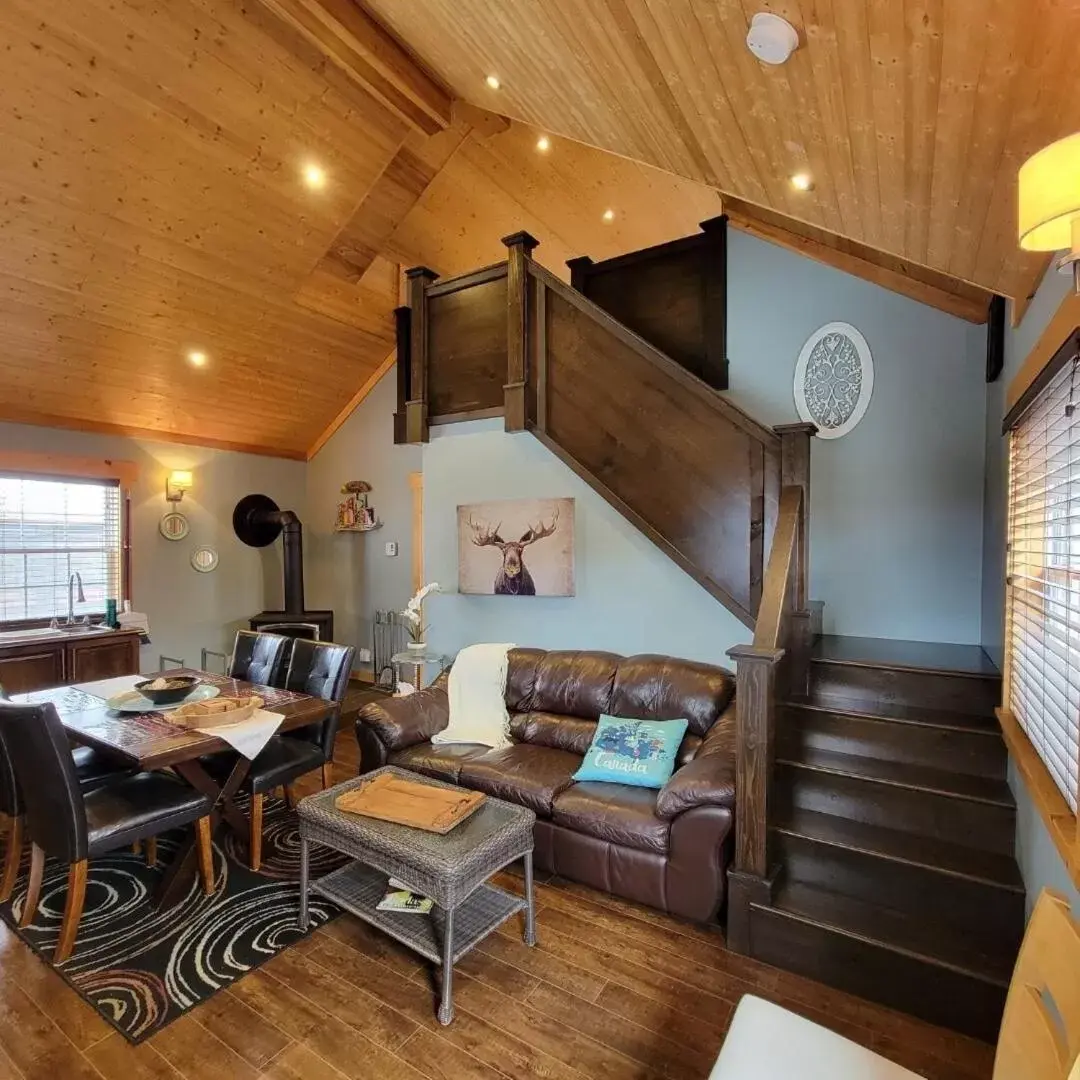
(152, 198)
(912, 116)
(152, 203)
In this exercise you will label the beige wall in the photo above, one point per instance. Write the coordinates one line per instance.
(188, 611)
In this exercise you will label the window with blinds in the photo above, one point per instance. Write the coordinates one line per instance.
(1044, 577)
(49, 529)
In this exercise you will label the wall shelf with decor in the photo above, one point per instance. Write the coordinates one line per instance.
(358, 528)
(353, 512)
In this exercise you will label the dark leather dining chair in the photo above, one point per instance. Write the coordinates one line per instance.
(67, 823)
(93, 770)
(320, 669)
(259, 658)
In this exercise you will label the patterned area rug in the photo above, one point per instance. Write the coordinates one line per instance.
(141, 968)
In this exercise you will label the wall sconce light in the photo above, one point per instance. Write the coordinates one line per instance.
(1049, 203)
(178, 482)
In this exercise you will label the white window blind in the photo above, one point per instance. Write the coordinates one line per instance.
(1044, 578)
(50, 529)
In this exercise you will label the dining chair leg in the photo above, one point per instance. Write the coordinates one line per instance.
(73, 909)
(136, 848)
(151, 851)
(255, 840)
(327, 775)
(12, 857)
(33, 889)
(290, 796)
(206, 854)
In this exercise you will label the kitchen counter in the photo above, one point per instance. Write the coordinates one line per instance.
(41, 658)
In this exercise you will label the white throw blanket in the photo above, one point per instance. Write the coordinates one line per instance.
(249, 736)
(478, 698)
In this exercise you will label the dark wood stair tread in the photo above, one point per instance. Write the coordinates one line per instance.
(899, 774)
(901, 714)
(964, 660)
(940, 855)
(916, 936)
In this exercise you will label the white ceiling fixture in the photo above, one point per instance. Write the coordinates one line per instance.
(770, 38)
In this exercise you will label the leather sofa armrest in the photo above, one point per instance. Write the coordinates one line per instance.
(708, 780)
(406, 721)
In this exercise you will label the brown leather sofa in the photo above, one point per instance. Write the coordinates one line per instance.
(668, 848)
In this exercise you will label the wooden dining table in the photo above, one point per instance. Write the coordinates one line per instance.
(148, 741)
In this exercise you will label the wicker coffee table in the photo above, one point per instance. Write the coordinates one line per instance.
(452, 869)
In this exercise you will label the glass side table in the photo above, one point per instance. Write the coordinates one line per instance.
(417, 660)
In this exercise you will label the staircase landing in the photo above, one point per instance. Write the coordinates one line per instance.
(896, 654)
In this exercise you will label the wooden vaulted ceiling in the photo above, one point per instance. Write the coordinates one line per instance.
(912, 116)
(152, 203)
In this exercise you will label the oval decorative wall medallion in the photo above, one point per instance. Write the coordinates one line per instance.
(834, 379)
(204, 559)
(173, 526)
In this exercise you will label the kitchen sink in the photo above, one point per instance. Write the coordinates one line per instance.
(14, 636)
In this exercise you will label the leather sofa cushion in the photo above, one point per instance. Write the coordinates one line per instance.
(617, 813)
(527, 775)
(548, 729)
(648, 687)
(440, 762)
(688, 749)
(405, 721)
(568, 683)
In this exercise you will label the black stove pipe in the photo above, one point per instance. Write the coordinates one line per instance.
(293, 544)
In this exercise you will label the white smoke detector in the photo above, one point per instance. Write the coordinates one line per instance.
(771, 39)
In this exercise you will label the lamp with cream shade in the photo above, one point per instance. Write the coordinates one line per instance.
(1049, 203)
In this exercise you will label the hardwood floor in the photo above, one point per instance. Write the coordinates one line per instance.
(613, 991)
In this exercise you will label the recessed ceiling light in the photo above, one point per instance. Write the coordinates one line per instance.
(802, 181)
(608, 215)
(543, 144)
(493, 82)
(197, 358)
(314, 176)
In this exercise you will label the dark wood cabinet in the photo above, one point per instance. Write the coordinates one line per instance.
(27, 666)
(101, 658)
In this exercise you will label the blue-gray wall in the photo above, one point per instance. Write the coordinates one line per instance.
(896, 523)
(1040, 864)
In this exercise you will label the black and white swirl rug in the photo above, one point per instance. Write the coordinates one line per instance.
(141, 967)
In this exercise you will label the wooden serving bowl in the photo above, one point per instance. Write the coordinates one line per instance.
(216, 712)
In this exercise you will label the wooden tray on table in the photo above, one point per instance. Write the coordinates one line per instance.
(406, 802)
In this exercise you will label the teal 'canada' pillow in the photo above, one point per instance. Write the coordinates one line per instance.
(637, 752)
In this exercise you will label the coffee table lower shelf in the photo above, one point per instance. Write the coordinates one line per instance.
(358, 888)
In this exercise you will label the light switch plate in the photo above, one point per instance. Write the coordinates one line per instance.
(391, 548)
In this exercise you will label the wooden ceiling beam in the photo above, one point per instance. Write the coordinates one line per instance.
(959, 298)
(354, 41)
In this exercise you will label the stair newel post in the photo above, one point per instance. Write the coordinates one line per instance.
(416, 408)
(520, 247)
(795, 472)
(579, 269)
(756, 671)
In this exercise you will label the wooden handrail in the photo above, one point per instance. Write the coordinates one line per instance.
(759, 675)
(780, 572)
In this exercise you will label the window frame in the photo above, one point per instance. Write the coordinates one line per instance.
(1061, 822)
(69, 470)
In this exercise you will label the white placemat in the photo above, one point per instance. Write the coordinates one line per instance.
(106, 688)
(249, 736)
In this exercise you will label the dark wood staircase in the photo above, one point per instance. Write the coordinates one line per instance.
(892, 831)
(874, 829)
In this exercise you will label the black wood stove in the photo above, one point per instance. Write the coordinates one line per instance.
(258, 522)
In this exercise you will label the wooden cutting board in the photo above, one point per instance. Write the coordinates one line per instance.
(407, 802)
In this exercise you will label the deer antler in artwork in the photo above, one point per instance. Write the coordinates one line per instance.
(483, 536)
(539, 530)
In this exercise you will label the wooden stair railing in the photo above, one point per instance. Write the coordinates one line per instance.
(689, 469)
(776, 665)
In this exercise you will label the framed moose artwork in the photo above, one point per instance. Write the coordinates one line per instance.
(517, 547)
